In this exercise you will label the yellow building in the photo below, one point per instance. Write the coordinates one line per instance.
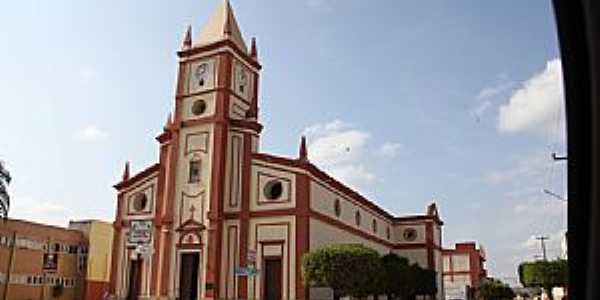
(99, 236)
(39, 261)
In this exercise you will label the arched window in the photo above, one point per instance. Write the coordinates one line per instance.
(337, 207)
(357, 218)
(374, 226)
(194, 171)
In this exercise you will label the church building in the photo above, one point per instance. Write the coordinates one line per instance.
(216, 218)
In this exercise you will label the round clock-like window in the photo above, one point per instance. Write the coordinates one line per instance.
(410, 234)
(140, 201)
(273, 190)
(199, 107)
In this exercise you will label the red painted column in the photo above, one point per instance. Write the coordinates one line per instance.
(116, 245)
(215, 213)
(302, 230)
(245, 213)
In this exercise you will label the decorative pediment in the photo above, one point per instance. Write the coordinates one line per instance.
(190, 225)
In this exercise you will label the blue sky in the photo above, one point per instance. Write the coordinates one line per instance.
(457, 102)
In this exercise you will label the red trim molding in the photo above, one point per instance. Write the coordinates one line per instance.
(217, 45)
(137, 177)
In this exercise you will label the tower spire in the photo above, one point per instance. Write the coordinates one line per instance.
(221, 26)
(187, 40)
(126, 171)
(253, 50)
(228, 17)
(169, 122)
(303, 153)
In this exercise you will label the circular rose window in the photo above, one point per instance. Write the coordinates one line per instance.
(199, 107)
(409, 234)
(140, 201)
(273, 190)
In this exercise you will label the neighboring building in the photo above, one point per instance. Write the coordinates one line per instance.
(564, 246)
(42, 259)
(99, 236)
(50, 262)
(463, 269)
(192, 225)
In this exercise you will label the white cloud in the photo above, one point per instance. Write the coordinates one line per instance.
(316, 4)
(540, 207)
(91, 133)
(356, 176)
(524, 170)
(87, 75)
(536, 106)
(488, 95)
(389, 150)
(493, 91)
(553, 243)
(340, 149)
(481, 108)
(44, 211)
(320, 5)
(335, 143)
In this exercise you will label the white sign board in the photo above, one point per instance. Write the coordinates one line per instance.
(144, 251)
(140, 232)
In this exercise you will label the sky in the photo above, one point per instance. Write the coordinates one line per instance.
(453, 102)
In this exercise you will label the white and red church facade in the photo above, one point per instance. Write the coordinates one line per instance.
(216, 204)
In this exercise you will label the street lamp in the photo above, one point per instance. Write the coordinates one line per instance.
(554, 195)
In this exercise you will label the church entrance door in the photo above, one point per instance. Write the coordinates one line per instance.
(188, 276)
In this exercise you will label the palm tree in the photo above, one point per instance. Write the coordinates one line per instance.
(4, 197)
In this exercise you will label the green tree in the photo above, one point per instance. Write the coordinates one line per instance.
(406, 281)
(544, 274)
(348, 269)
(395, 271)
(425, 281)
(493, 289)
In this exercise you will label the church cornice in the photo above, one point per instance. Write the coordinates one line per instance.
(137, 177)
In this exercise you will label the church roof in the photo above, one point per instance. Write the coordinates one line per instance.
(222, 25)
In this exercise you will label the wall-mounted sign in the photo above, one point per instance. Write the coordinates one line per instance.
(140, 232)
(50, 262)
(251, 257)
(145, 251)
(246, 271)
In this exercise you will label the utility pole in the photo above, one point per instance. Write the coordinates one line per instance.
(542, 240)
(11, 258)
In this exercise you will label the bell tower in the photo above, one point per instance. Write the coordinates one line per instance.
(215, 130)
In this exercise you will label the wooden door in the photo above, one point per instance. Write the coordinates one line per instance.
(135, 279)
(273, 278)
(188, 276)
